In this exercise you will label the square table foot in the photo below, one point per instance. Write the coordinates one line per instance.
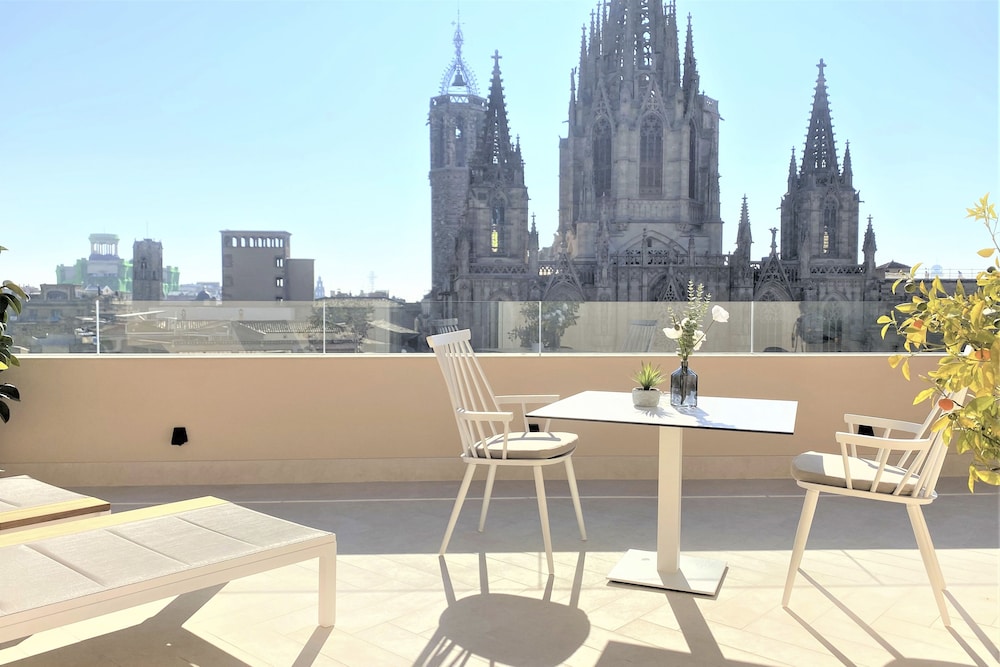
(696, 575)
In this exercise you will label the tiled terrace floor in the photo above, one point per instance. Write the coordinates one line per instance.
(862, 597)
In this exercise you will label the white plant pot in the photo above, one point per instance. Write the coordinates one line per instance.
(645, 398)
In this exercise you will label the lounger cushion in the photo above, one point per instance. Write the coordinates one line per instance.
(823, 468)
(69, 566)
(522, 445)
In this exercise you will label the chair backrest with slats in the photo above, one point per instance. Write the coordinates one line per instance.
(935, 458)
(444, 326)
(468, 388)
(922, 464)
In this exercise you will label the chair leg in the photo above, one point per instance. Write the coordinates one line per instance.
(571, 476)
(490, 477)
(801, 535)
(931, 564)
(543, 512)
(470, 470)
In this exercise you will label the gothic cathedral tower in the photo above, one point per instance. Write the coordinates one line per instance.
(819, 212)
(456, 120)
(639, 170)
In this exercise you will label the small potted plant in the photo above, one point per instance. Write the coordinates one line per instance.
(648, 377)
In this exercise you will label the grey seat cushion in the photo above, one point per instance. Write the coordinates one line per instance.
(821, 468)
(521, 445)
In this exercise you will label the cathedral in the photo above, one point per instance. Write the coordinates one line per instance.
(639, 209)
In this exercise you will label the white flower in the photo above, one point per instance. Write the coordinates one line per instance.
(719, 314)
(673, 333)
(699, 336)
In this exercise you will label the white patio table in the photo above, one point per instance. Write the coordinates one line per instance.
(667, 568)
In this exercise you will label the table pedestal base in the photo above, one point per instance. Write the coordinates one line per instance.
(696, 575)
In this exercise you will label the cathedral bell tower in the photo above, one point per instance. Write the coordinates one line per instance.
(456, 119)
(819, 213)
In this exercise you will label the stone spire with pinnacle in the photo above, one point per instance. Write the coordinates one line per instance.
(820, 155)
(496, 156)
(869, 247)
(691, 79)
(743, 236)
(847, 173)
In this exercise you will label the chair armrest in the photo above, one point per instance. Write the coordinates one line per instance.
(524, 400)
(504, 417)
(880, 443)
(886, 425)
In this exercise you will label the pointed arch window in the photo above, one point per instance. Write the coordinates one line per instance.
(497, 228)
(602, 158)
(692, 162)
(651, 156)
(829, 228)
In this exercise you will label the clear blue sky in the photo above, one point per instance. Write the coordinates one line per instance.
(175, 120)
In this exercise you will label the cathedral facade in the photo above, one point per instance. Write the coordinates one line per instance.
(639, 207)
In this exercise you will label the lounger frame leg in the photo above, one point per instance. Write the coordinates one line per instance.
(328, 587)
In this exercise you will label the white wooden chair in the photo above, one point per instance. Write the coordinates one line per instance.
(487, 438)
(900, 463)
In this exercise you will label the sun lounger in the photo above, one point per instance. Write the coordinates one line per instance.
(26, 502)
(59, 574)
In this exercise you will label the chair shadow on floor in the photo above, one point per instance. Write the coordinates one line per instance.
(507, 629)
(160, 640)
(898, 658)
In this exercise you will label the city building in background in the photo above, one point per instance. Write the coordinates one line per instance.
(147, 270)
(103, 271)
(258, 266)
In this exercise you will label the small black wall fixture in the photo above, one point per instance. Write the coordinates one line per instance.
(180, 436)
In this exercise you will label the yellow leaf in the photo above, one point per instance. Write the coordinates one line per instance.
(906, 369)
(924, 395)
(895, 359)
(885, 329)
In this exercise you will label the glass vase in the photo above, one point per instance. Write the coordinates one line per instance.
(684, 387)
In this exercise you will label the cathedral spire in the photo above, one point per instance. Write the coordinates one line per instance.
(869, 247)
(847, 173)
(743, 236)
(458, 78)
(495, 153)
(820, 155)
(792, 172)
(691, 79)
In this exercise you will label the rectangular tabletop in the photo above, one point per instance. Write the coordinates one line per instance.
(713, 412)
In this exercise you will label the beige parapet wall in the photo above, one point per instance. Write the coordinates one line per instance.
(107, 420)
